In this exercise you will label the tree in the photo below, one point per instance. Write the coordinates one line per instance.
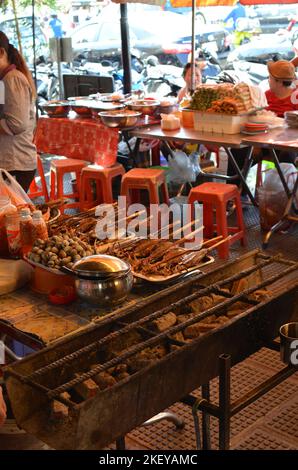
(4, 4)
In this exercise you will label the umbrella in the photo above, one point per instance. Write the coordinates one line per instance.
(209, 3)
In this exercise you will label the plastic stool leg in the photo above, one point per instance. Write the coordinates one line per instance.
(42, 179)
(208, 220)
(52, 184)
(165, 194)
(222, 229)
(240, 219)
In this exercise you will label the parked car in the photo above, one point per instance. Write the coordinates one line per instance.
(163, 34)
(8, 26)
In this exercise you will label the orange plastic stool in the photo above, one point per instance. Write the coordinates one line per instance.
(58, 169)
(218, 195)
(145, 178)
(35, 190)
(103, 178)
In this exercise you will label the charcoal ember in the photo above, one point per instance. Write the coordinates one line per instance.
(178, 336)
(122, 376)
(222, 319)
(210, 319)
(59, 411)
(201, 327)
(121, 343)
(201, 304)
(164, 322)
(192, 331)
(146, 357)
(217, 299)
(184, 318)
(86, 389)
(239, 286)
(260, 295)
(104, 380)
(118, 369)
(237, 308)
(174, 347)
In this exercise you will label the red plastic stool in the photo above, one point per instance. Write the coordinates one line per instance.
(103, 178)
(58, 169)
(35, 190)
(218, 195)
(144, 178)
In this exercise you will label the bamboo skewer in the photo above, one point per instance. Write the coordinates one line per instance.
(204, 251)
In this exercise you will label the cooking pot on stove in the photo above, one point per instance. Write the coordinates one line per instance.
(101, 279)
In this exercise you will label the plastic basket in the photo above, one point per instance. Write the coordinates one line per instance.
(219, 123)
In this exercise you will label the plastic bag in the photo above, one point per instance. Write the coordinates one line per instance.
(183, 168)
(11, 188)
(272, 196)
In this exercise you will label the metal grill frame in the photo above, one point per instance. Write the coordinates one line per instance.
(256, 326)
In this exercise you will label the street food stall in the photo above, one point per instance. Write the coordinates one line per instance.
(119, 319)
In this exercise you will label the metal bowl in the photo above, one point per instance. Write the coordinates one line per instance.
(102, 279)
(120, 118)
(56, 108)
(81, 110)
(100, 106)
(144, 106)
(166, 109)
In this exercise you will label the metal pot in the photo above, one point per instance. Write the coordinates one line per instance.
(101, 279)
(288, 334)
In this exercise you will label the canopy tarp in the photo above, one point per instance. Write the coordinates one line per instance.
(215, 3)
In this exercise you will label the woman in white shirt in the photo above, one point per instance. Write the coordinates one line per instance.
(17, 119)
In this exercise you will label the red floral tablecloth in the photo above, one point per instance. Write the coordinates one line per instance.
(85, 139)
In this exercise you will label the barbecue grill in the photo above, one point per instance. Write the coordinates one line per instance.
(56, 393)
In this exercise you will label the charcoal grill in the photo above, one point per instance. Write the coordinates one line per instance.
(36, 382)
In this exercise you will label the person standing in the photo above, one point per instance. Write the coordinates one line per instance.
(17, 119)
(237, 12)
(56, 26)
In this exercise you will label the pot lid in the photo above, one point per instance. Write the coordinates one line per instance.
(101, 266)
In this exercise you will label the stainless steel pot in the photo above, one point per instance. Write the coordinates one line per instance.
(101, 279)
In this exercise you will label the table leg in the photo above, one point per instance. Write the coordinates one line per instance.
(239, 172)
(279, 171)
(286, 216)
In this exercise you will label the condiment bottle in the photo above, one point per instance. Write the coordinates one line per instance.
(39, 228)
(12, 223)
(26, 230)
(6, 208)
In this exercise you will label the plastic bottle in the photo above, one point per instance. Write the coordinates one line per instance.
(39, 228)
(26, 226)
(6, 208)
(12, 223)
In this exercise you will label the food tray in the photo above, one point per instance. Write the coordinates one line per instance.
(220, 123)
(164, 279)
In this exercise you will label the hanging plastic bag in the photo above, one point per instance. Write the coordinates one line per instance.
(11, 188)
